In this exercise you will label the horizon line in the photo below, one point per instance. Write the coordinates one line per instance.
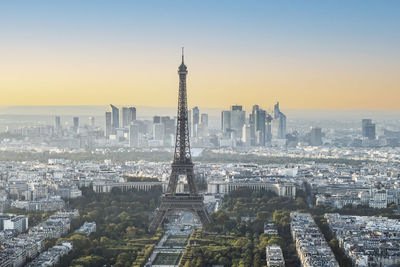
(206, 107)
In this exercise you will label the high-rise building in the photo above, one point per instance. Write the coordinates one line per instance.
(163, 129)
(58, 123)
(316, 136)
(255, 108)
(194, 121)
(259, 123)
(277, 111)
(368, 129)
(76, 124)
(364, 123)
(246, 134)
(371, 131)
(132, 113)
(169, 125)
(204, 119)
(156, 119)
(128, 116)
(115, 118)
(268, 135)
(134, 135)
(281, 120)
(108, 126)
(252, 123)
(238, 119)
(225, 121)
(282, 126)
(158, 131)
(195, 115)
(236, 108)
(125, 117)
(91, 121)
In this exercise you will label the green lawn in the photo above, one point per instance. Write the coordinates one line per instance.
(176, 240)
(167, 258)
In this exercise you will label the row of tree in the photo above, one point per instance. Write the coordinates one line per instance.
(235, 237)
(121, 238)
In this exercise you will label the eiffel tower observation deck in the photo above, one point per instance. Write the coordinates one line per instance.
(181, 165)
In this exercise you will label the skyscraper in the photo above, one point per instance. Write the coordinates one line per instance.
(76, 124)
(236, 108)
(282, 126)
(132, 113)
(195, 119)
(246, 134)
(268, 134)
(281, 120)
(115, 118)
(371, 131)
(238, 119)
(316, 136)
(125, 117)
(259, 123)
(364, 123)
(158, 131)
(156, 119)
(108, 126)
(225, 121)
(128, 116)
(368, 129)
(169, 125)
(252, 123)
(58, 123)
(277, 111)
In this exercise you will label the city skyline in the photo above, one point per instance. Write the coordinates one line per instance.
(309, 56)
(212, 133)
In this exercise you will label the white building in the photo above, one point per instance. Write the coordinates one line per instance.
(378, 199)
(18, 223)
(274, 256)
(221, 186)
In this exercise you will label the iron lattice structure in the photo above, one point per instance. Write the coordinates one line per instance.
(181, 165)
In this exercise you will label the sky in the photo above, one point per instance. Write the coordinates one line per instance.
(304, 54)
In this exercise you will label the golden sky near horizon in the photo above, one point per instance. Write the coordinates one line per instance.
(314, 55)
(84, 79)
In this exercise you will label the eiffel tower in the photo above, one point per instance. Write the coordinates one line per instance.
(182, 165)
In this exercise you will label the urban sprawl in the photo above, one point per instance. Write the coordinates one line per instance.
(335, 168)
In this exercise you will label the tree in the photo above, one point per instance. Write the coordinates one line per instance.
(89, 261)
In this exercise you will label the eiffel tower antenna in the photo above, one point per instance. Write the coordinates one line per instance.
(181, 165)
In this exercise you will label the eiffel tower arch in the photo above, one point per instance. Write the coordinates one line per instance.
(181, 165)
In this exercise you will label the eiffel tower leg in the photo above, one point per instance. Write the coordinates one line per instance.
(158, 219)
(203, 215)
(173, 181)
(190, 180)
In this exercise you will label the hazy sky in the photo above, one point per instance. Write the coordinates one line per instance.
(305, 54)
